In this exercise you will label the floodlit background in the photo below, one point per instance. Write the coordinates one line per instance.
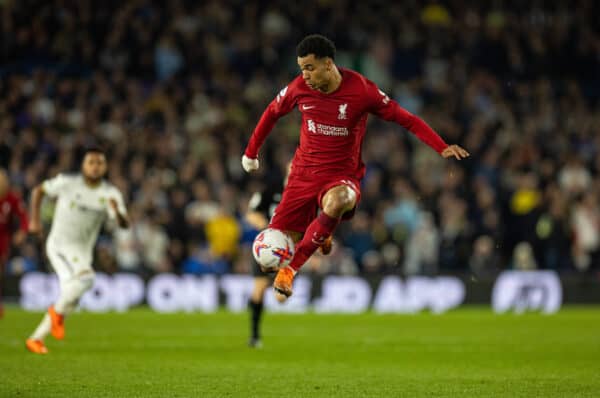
(174, 92)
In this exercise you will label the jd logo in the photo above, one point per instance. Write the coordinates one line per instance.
(530, 297)
(522, 291)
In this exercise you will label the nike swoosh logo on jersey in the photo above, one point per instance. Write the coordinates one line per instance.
(307, 107)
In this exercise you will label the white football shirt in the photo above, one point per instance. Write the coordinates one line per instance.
(80, 210)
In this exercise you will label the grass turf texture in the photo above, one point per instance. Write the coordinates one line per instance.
(465, 353)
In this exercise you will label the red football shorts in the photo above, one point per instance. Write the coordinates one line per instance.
(302, 198)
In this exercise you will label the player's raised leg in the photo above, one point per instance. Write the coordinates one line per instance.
(71, 291)
(336, 201)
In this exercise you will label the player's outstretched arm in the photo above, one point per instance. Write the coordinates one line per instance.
(259, 135)
(388, 109)
(35, 225)
(122, 219)
(280, 106)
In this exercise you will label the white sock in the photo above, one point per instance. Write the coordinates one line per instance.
(70, 293)
(43, 328)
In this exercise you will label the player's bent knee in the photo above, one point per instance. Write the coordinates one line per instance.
(340, 202)
(348, 201)
(86, 280)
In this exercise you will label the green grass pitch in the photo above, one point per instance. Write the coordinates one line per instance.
(465, 353)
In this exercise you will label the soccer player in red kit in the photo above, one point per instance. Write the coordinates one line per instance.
(327, 167)
(10, 205)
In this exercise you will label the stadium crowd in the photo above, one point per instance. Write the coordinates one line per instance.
(172, 91)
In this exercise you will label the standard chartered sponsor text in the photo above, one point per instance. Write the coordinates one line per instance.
(331, 130)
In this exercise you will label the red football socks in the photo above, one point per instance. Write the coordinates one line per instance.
(315, 235)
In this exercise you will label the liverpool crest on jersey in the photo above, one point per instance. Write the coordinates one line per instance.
(342, 112)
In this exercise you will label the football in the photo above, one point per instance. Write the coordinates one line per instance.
(273, 249)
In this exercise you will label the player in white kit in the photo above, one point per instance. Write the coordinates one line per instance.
(84, 201)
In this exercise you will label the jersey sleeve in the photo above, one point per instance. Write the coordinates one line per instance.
(53, 186)
(382, 106)
(284, 103)
(116, 195)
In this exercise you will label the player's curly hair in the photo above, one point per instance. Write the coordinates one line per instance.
(318, 45)
(94, 149)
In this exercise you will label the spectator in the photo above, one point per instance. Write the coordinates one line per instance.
(523, 258)
(586, 229)
(223, 234)
(154, 243)
(360, 238)
(422, 248)
(172, 89)
(484, 261)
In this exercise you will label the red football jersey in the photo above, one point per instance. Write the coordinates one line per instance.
(10, 205)
(333, 125)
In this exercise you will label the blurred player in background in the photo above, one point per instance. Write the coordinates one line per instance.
(327, 167)
(260, 210)
(11, 205)
(84, 201)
